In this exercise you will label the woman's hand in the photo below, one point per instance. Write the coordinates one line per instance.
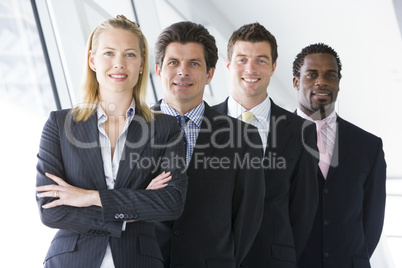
(159, 181)
(67, 194)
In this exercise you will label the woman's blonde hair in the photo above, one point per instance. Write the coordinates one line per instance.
(90, 86)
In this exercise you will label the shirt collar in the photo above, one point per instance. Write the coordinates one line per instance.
(261, 111)
(195, 115)
(102, 117)
(330, 119)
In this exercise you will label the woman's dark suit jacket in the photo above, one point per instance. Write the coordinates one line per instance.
(71, 150)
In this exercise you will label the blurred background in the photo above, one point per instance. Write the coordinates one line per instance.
(42, 52)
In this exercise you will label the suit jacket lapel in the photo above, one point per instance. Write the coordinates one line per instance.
(341, 148)
(222, 107)
(279, 131)
(210, 123)
(85, 136)
(139, 134)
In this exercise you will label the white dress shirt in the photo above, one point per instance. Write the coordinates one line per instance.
(261, 119)
(111, 165)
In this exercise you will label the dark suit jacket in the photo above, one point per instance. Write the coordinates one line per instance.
(71, 151)
(224, 202)
(291, 191)
(350, 215)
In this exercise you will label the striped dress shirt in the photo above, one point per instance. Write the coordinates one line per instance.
(330, 130)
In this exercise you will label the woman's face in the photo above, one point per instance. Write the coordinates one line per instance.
(117, 61)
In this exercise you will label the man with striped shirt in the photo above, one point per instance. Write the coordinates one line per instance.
(290, 169)
(352, 169)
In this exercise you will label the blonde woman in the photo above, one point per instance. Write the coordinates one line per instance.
(96, 160)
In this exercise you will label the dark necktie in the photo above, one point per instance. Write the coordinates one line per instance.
(182, 121)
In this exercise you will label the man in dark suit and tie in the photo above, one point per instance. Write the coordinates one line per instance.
(352, 169)
(290, 168)
(225, 194)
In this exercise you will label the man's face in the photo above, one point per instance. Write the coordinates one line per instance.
(318, 84)
(250, 69)
(183, 74)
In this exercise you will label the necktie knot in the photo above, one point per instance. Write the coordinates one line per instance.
(321, 124)
(182, 120)
(247, 116)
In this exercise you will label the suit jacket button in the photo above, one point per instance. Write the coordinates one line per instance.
(116, 216)
(326, 222)
(135, 215)
(325, 190)
(176, 232)
(326, 255)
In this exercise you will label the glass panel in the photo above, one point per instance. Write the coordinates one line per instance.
(24, 78)
(69, 33)
(26, 98)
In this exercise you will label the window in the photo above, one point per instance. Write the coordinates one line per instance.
(26, 98)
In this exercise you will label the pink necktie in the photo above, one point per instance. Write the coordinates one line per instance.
(325, 157)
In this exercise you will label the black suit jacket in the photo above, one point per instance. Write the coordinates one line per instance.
(70, 150)
(225, 198)
(350, 215)
(291, 191)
